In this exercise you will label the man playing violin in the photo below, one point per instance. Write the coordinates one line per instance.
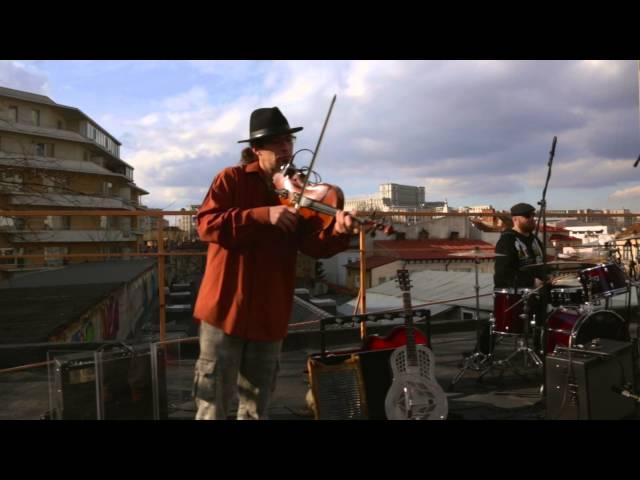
(246, 295)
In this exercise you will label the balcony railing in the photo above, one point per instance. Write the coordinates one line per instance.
(71, 200)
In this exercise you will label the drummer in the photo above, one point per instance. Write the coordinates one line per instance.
(519, 247)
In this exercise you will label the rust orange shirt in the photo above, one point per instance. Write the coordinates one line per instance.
(247, 288)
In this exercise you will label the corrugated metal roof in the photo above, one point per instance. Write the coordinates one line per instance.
(430, 249)
(373, 261)
(430, 286)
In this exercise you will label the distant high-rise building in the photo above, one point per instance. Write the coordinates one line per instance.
(390, 197)
(187, 223)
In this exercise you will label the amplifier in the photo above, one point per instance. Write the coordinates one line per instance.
(350, 385)
(579, 381)
(110, 385)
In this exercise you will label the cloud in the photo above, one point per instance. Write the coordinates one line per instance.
(20, 76)
(194, 98)
(631, 193)
(475, 131)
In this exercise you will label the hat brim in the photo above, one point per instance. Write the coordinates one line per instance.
(261, 136)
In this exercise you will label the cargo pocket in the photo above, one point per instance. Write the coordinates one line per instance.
(204, 382)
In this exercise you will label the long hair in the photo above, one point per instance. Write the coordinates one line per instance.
(247, 156)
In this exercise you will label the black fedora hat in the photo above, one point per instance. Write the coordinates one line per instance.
(268, 122)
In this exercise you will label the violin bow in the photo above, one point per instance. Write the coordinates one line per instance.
(315, 153)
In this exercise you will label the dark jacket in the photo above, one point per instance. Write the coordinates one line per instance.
(519, 251)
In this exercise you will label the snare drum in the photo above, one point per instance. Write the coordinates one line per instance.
(509, 319)
(581, 326)
(604, 280)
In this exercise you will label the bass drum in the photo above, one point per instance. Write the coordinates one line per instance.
(582, 326)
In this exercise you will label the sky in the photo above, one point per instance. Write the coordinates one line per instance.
(473, 132)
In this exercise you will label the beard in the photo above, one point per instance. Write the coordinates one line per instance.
(528, 227)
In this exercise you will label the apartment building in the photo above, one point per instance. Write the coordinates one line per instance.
(55, 157)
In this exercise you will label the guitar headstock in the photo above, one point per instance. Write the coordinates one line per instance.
(404, 280)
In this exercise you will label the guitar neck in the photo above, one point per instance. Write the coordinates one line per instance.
(412, 356)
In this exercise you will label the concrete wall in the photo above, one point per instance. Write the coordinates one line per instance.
(118, 316)
(335, 272)
(439, 228)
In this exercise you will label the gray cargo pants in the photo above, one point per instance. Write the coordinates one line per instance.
(230, 366)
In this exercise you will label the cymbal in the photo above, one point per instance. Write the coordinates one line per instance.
(558, 266)
(476, 253)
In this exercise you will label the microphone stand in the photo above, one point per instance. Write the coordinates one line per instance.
(543, 216)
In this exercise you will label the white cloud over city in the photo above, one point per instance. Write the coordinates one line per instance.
(473, 132)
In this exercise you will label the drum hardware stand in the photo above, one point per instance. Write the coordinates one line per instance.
(477, 360)
(522, 344)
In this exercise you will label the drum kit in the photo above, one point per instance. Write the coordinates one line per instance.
(575, 294)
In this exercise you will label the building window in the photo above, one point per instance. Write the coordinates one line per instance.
(13, 114)
(467, 315)
(48, 251)
(62, 222)
(7, 252)
(60, 125)
(107, 188)
(35, 117)
(19, 223)
(44, 149)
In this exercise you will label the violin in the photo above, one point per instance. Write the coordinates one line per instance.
(320, 201)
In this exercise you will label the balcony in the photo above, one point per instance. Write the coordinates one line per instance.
(71, 236)
(59, 164)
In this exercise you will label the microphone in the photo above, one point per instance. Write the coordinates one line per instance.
(637, 161)
(625, 393)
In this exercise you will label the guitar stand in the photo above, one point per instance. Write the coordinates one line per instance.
(475, 362)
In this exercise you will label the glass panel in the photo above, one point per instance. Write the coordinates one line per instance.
(177, 378)
(125, 385)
